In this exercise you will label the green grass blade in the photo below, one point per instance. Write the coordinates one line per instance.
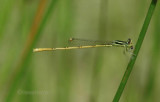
(36, 31)
(99, 60)
(65, 70)
(136, 51)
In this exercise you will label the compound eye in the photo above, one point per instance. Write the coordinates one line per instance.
(129, 41)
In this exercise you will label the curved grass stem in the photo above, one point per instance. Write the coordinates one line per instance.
(136, 51)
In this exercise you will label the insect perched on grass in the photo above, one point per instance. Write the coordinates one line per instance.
(116, 43)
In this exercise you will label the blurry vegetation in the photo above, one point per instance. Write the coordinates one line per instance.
(82, 75)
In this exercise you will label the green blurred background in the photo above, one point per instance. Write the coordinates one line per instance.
(81, 75)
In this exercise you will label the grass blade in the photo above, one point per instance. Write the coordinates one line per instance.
(136, 51)
(65, 62)
(98, 62)
(36, 31)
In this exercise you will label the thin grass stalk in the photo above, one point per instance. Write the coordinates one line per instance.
(136, 51)
(95, 81)
(36, 31)
(6, 69)
(64, 74)
(28, 83)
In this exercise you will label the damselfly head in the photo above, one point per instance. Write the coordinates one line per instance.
(130, 45)
(129, 41)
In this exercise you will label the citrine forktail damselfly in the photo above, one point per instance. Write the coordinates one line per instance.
(116, 43)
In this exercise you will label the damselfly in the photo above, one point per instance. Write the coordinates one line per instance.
(116, 43)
